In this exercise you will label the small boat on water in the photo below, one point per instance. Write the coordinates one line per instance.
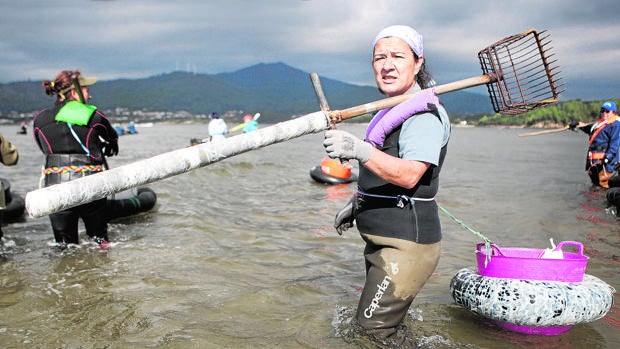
(332, 171)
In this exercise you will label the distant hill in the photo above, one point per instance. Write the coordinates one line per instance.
(273, 89)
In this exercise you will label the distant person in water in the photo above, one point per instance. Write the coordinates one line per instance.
(603, 146)
(217, 128)
(75, 138)
(23, 128)
(119, 130)
(250, 124)
(9, 157)
(131, 128)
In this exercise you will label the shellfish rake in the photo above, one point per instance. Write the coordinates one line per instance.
(516, 70)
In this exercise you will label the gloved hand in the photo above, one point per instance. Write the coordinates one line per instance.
(343, 145)
(110, 148)
(573, 125)
(345, 217)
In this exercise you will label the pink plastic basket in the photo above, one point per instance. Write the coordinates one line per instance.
(526, 264)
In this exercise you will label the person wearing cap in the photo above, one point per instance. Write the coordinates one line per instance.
(394, 207)
(603, 145)
(75, 138)
(217, 128)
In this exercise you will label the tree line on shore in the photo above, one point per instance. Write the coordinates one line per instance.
(554, 115)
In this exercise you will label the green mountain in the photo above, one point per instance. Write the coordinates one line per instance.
(276, 90)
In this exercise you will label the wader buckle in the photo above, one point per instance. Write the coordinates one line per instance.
(403, 200)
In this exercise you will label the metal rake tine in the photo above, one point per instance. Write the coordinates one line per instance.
(553, 74)
(562, 84)
(551, 56)
(558, 79)
(539, 91)
(543, 35)
(548, 54)
(530, 52)
(532, 67)
(544, 44)
(541, 81)
(552, 69)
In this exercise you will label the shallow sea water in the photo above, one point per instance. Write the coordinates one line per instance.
(242, 253)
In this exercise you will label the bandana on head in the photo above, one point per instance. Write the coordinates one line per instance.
(405, 33)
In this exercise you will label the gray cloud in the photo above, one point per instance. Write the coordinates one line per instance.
(141, 38)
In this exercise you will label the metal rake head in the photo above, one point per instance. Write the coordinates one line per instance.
(525, 75)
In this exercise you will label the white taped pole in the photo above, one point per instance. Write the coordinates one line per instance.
(62, 196)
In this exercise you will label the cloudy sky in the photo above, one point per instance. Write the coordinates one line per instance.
(114, 39)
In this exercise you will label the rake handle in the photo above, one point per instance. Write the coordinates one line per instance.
(544, 132)
(340, 115)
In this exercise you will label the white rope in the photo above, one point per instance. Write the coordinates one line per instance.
(62, 196)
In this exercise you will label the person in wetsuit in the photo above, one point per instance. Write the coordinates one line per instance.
(9, 157)
(75, 138)
(394, 207)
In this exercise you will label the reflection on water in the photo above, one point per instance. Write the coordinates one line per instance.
(242, 253)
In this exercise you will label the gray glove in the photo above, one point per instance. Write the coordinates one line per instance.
(345, 217)
(343, 145)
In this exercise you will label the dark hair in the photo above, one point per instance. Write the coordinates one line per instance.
(424, 77)
(63, 81)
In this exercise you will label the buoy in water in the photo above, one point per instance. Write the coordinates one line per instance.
(14, 204)
(144, 200)
(332, 171)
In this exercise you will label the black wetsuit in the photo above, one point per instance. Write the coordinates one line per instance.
(416, 220)
(73, 150)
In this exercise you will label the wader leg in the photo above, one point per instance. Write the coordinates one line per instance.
(396, 271)
(95, 220)
(65, 227)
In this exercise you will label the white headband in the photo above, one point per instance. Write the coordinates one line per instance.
(405, 33)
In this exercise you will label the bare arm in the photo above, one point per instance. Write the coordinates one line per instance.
(401, 172)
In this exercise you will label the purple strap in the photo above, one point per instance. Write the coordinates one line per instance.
(387, 120)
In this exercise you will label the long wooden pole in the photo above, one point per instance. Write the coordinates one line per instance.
(543, 132)
(62, 196)
(339, 115)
